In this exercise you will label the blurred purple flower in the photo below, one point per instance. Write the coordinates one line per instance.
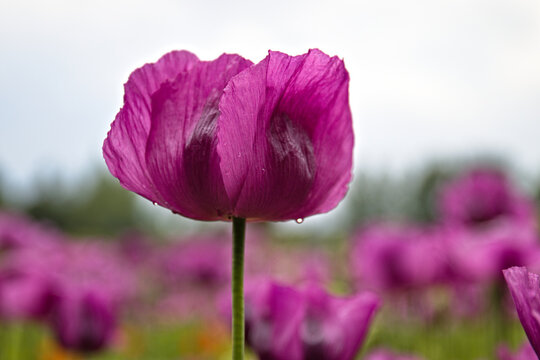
(284, 323)
(83, 322)
(91, 264)
(394, 257)
(481, 256)
(524, 287)
(25, 296)
(481, 197)
(382, 354)
(204, 261)
(200, 260)
(94, 283)
(75, 287)
(16, 231)
(215, 139)
(526, 352)
(135, 248)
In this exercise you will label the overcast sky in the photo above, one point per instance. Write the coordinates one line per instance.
(430, 78)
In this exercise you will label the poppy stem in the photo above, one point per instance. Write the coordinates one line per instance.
(238, 333)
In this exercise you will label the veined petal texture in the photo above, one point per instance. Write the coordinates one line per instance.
(125, 145)
(524, 287)
(285, 136)
(181, 149)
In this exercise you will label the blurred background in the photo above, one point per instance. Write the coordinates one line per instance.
(440, 91)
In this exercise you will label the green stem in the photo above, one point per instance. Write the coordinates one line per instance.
(16, 331)
(239, 232)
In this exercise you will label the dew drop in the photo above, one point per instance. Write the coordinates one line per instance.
(154, 203)
(299, 220)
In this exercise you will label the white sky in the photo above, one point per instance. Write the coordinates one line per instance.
(430, 78)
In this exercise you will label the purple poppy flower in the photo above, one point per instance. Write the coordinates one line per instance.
(215, 139)
(83, 322)
(284, 323)
(524, 288)
(17, 232)
(25, 296)
(395, 257)
(526, 352)
(481, 256)
(382, 354)
(484, 196)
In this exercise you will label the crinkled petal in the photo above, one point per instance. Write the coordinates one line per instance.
(354, 316)
(287, 311)
(285, 137)
(181, 152)
(524, 287)
(335, 326)
(274, 314)
(124, 147)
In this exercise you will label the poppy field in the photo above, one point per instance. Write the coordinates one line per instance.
(386, 289)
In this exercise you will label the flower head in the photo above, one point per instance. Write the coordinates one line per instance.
(25, 296)
(481, 197)
(84, 322)
(295, 324)
(215, 139)
(389, 257)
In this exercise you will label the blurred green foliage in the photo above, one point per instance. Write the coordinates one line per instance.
(90, 207)
(407, 198)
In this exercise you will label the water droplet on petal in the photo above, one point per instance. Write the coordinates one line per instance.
(154, 203)
(299, 220)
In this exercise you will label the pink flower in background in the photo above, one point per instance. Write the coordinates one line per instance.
(524, 287)
(25, 296)
(395, 257)
(78, 288)
(526, 352)
(215, 139)
(16, 231)
(481, 256)
(81, 266)
(482, 197)
(200, 260)
(83, 321)
(285, 323)
(204, 260)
